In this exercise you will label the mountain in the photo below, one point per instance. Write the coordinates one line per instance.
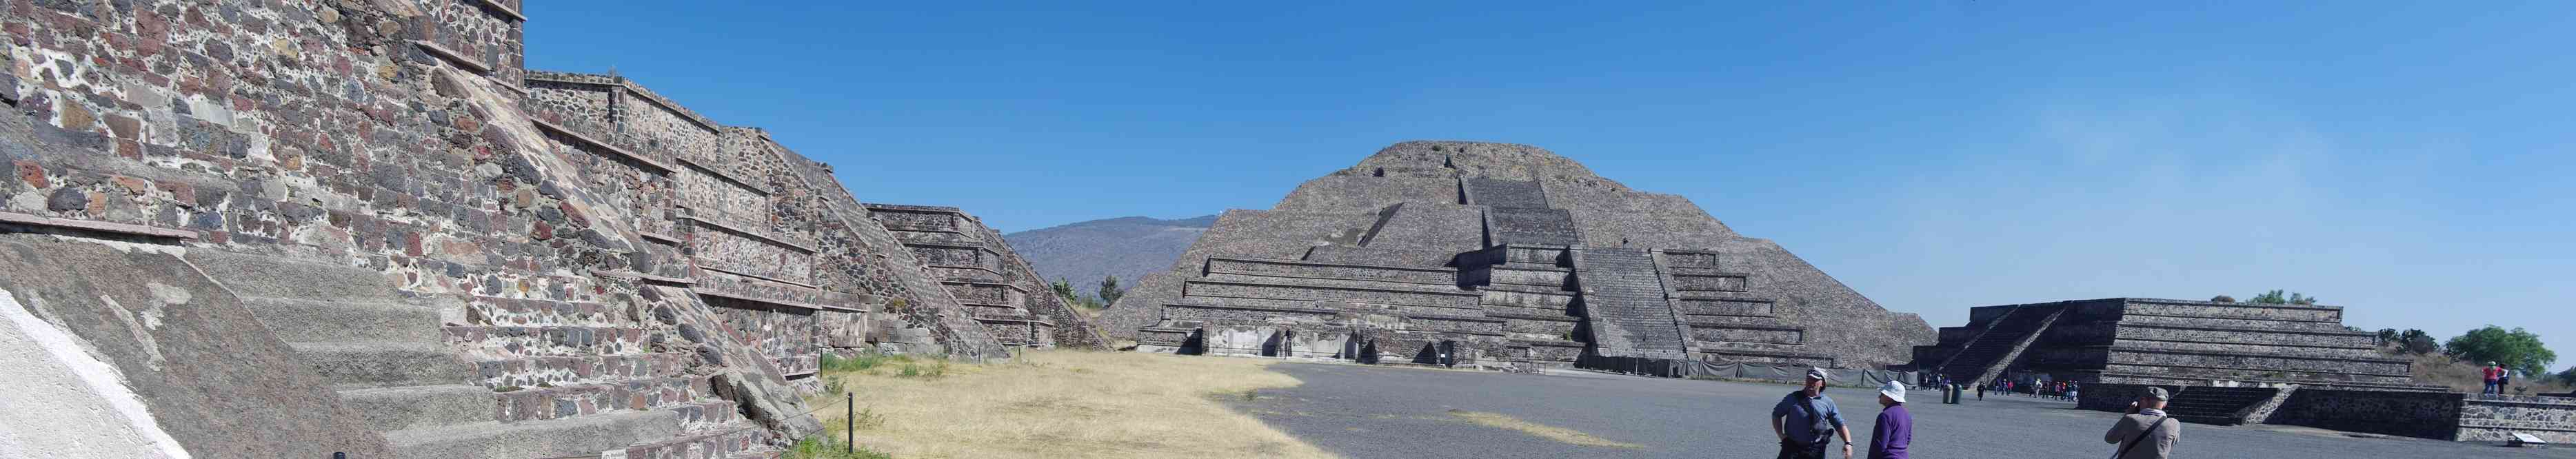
(1127, 247)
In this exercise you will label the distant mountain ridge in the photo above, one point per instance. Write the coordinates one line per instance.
(1128, 247)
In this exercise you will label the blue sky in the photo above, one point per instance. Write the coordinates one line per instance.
(2407, 161)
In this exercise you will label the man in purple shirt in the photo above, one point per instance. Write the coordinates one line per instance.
(1895, 428)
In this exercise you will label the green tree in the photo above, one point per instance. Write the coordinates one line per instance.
(2387, 336)
(1063, 289)
(2274, 297)
(2567, 377)
(1109, 290)
(2516, 349)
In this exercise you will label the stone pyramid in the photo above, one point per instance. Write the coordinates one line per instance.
(1500, 256)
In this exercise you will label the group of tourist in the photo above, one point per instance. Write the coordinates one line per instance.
(1807, 422)
(2497, 379)
(2054, 390)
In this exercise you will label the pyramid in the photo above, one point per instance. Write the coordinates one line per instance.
(1501, 256)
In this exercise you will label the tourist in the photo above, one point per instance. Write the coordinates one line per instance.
(1895, 429)
(2073, 392)
(2145, 432)
(1806, 421)
(2495, 379)
(1981, 391)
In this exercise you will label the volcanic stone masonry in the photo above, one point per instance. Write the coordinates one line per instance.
(303, 227)
(2230, 363)
(1501, 256)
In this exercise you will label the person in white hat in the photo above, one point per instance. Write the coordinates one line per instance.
(1895, 430)
(1806, 421)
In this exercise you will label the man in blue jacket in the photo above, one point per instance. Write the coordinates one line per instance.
(1806, 420)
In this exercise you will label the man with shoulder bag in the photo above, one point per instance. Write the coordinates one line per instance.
(2145, 431)
(1806, 421)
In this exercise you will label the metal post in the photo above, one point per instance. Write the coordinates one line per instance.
(850, 421)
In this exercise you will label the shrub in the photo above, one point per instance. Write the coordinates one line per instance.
(930, 371)
(862, 361)
(826, 447)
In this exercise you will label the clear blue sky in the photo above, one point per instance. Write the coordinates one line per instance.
(2409, 162)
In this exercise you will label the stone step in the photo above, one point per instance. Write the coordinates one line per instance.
(267, 276)
(2217, 322)
(1362, 283)
(575, 370)
(1299, 292)
(506, 342)
(1332, 270)
(738, 439)
(303, 321)
(575, 436)
(1383, 256)
(485, 310)
(541, 403)
(417, 407)
(383, 364)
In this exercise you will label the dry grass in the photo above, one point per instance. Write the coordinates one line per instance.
(2436, 368)
(1559, 434)
(1064, 403)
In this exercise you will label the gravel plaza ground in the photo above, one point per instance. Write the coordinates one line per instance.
(1388, 412)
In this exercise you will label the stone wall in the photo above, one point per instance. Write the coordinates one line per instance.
(2181, 342)
(602, 251)
(980, 270)
(2495, 418)
(2421, 414)
(2433, 415)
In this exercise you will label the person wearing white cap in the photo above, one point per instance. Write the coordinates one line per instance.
(1806, 420)
(2146, 432)
(1895, 430)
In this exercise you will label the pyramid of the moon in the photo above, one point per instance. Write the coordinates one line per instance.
(1500, 256)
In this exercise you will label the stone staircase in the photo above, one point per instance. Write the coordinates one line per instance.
(1623, 303)
(394, 365)
(2218, 405)
(2001, 343)
(1491, 192)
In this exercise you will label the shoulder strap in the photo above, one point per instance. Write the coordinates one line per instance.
(1809, 407)
(2142, 436)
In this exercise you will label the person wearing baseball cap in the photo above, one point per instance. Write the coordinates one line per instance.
(2495, 379)
(2146, 432)
(1806, 420)
(1895, 430)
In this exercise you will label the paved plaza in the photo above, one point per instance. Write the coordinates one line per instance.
(1372, 411)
